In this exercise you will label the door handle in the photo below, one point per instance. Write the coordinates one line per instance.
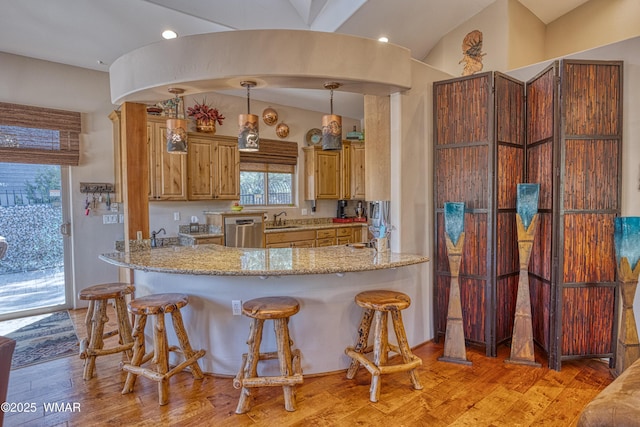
(65, 229)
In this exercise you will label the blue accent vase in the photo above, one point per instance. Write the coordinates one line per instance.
(454, 220)
(527, 202)
(627, 239)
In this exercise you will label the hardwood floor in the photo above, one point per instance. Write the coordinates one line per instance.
(489, 393)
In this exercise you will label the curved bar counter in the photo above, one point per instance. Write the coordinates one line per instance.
(324, 280)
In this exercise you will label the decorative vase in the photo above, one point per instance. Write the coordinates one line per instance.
(207, 127)
(627, 247)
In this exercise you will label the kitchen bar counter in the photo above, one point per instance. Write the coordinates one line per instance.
(218, 260)
(324, 280)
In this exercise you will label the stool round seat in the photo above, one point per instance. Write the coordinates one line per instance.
(270, 307)
(158, 303)
(106, 291)
(383, 300)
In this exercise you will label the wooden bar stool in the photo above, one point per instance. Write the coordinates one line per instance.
(377, 304)
(260, 309)
(93, 346)
(158, 305)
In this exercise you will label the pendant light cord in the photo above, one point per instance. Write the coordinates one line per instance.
(248, 103)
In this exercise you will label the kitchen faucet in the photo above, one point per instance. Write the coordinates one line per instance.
(278, 221)
(154, 244)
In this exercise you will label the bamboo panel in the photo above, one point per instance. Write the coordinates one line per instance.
(462, 176)
(510, 172)
(472, 297)
(506, 292)
(592, 100)
(441, 302)
(474, 256)
(462, 110)
(589, 254)
(510, 109)
(540, 293)
(507, 244)
(591, 174)
(587, 318)
(540, 170)
(540, 263)
(540, 111)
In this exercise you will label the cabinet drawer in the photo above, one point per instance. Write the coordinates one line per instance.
(330, 241)
(208, 240)
(344, 240)
(342, 232)
(290, 236)
(323, 234)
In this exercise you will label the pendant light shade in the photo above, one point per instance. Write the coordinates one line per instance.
(248, 138)
(176, 128)
(331, 125)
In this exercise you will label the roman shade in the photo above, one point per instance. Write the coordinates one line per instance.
(272, 152)
(39, 135)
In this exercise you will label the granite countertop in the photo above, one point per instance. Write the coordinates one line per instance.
(218, 260)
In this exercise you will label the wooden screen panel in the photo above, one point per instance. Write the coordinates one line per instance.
(540, 111)
(591, 98)
(475, 251)
(441, 303)
(462, 110)
(510, 109)
(591, 174)
(540, 170)
(589, 254)
(510, 173)
(472, 298)
(507, 257)
(584, 316)
(540, 263)
(506, 293)
(462, 176)
(540, 292)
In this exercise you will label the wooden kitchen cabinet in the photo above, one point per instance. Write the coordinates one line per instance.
(356, 170)
(345, 171)
(213, 168)
(291, 239)
(322, 174)
(167, 172)
(326, 237)
(344, 235)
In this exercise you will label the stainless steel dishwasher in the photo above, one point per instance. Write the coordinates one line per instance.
(244, 231)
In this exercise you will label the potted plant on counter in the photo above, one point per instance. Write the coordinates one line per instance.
(205, 116)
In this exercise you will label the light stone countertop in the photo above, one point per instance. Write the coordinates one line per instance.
(218, 260)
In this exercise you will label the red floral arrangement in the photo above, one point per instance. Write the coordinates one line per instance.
(205, 113)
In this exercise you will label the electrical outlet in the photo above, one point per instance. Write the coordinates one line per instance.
(303, 212)
(176, 216)
(236, 307)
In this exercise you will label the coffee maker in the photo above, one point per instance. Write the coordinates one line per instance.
(342, 209)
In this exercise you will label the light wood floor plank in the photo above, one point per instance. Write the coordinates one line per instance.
(488, 393)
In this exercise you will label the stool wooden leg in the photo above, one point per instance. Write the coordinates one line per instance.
(88, 317)
(124, 326)
(284, 357)
(138, 352)
(403, 345)
(361, 343)
(160, 354)
(380, 351)
(96, 342)
(187, 350)
(251, 367)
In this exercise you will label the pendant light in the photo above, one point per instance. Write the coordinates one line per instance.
(248, 138)
(331, 125)
(176, 128)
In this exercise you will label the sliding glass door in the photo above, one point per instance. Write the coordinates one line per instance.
(34, 223)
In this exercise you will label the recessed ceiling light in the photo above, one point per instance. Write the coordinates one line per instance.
(383, 39)
(169, 34)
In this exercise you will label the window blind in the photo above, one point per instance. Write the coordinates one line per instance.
(39, 135)
(272, 152)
